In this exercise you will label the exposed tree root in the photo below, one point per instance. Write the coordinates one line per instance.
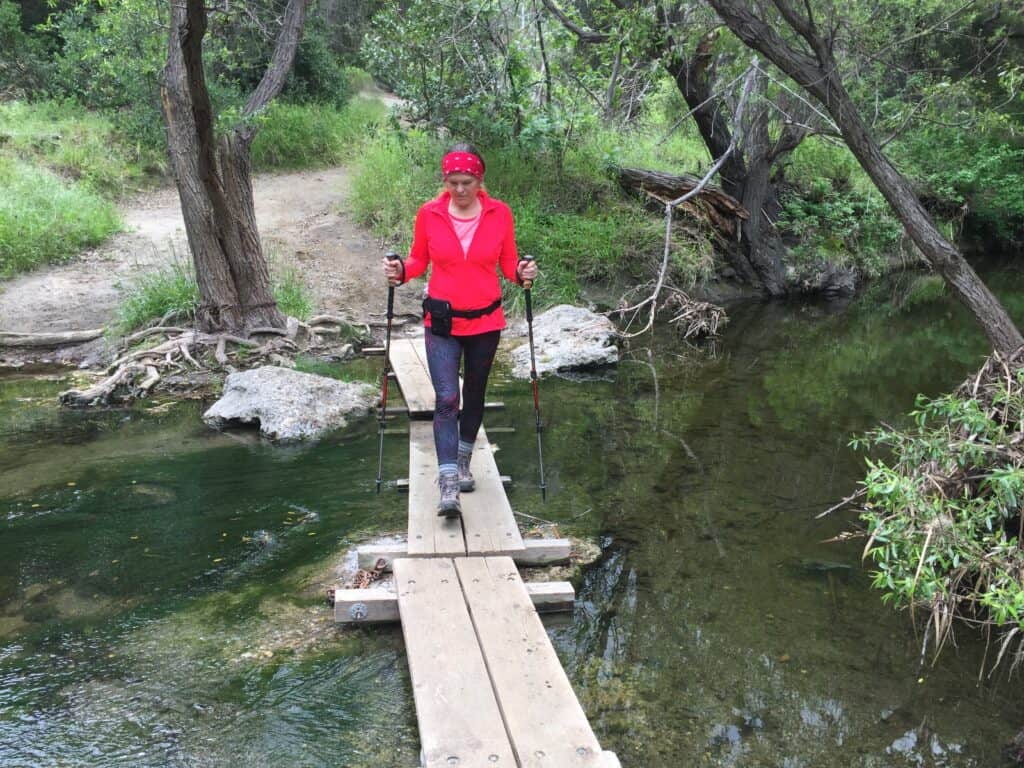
(136, 372)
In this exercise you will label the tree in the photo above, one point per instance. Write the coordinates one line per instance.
(214, 173)
(684, 39)
(809, 57)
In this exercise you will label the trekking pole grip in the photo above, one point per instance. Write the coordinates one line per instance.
(527, 284)
(391, 256)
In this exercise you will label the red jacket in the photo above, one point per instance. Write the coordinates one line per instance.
(466, 280)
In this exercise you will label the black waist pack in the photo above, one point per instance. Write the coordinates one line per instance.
(441, 314)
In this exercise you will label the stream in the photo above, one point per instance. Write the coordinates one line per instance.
(161, 584)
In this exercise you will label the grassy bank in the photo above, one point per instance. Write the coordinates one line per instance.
(173, 289)
(63, 169)
(45, 219)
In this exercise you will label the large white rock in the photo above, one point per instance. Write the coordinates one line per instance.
(288, 405)
(567, 338)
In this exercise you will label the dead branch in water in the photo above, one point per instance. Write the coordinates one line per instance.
(55, 339)
(651, 302)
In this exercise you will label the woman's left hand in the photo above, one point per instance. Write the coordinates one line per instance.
(527, 270)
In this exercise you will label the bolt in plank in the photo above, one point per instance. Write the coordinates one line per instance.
(459, 720)
(545, 722)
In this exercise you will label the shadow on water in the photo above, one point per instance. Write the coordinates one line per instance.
(160, 583)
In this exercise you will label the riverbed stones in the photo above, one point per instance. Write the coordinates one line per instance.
(288, 405)
(567, 338)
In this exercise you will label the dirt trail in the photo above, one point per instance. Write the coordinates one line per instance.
(303, 220)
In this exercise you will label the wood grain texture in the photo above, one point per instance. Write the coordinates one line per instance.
(459, 720)
(545, 722)
(429, 535)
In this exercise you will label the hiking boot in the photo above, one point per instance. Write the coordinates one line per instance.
(466, 482)
(449, 505)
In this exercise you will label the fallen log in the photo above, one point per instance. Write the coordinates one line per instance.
(719, 209)
(12, 339)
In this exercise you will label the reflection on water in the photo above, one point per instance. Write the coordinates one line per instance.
(161, 584)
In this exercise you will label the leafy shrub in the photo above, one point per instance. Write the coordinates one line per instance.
(944, 514)
(45, 220)
(24, 64)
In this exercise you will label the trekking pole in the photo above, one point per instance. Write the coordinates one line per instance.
(527, 285)
(390, 256)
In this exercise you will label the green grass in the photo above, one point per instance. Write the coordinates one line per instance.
(311, 135)
(154, 294)
(291, 294)
(45, 220)
(173, 288)
(76, 144)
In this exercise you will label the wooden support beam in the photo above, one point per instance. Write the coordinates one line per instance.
(375, 605)
(538, 552)
(402, 483)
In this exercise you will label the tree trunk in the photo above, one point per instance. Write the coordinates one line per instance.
(757, 257)
(819, 75)
(214, 176)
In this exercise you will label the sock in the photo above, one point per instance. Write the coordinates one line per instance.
(465, 448)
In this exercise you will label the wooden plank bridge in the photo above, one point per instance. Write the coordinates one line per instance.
(488, 687)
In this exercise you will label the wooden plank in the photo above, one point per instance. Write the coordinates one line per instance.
(459, 720)
(413, 377)
(537, 552)
(429, 535)
(402, 483)
(365, 606)
(375, 605)
(487, 519)
(545, 722)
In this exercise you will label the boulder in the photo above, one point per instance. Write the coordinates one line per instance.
(288, 405)
(567, 338)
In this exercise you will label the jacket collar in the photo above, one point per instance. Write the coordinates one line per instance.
(440, 203)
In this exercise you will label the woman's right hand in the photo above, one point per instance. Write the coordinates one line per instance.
(392, 271)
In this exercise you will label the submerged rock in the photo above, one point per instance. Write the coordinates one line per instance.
(287, 404)
(567, 338)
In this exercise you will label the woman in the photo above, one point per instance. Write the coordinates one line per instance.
(462, 235)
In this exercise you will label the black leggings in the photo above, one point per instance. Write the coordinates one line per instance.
(443, 354)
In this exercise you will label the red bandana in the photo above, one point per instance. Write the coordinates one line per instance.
(462, 162)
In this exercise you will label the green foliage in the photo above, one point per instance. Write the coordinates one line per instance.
(24, 63)
(44, 219)
(833, 213)
(111, 58)
(943, 515)
(311, 135)
(978, 172)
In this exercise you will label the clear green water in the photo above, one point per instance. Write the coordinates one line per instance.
(166, 608)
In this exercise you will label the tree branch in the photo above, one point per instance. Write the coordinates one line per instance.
(281, 61)
(585, 35)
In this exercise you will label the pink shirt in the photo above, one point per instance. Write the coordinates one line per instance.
(464, 230)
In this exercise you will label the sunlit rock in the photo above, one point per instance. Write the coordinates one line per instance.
(288, 405)
(567, 338)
